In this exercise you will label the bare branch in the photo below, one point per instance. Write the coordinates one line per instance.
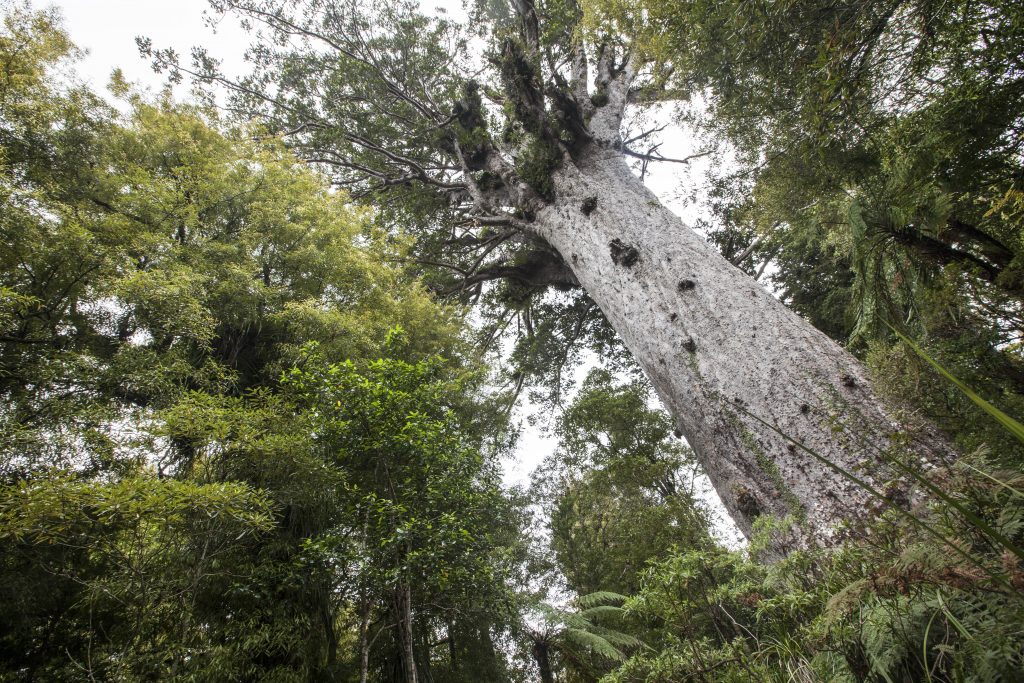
(645, 134)
(742, 256)
(652, 157)
(654, 94)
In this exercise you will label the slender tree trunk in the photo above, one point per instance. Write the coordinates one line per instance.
(403, 613)
(330, 633)
(364, 638)
(723, 354)
(424, 671)
(452, 648)
(542, 656)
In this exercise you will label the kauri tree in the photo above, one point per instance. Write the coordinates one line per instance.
(513, 168)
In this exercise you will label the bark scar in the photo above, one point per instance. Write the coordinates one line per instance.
(625, 255)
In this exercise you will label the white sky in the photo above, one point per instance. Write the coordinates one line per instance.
(107, 30)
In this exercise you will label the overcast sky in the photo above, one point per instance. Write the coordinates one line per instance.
(107, 30)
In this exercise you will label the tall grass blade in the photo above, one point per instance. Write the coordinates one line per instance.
(1011, 425)
(994, 480)
(974, 519)
(877, 494)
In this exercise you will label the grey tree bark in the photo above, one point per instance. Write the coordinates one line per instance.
(750, 383)
(753, 387)
(721, 351)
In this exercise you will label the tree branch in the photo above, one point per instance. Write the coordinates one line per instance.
(652, 157)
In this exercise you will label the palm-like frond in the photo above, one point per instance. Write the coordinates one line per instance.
(594, 644)
(600, 598)
(578, 629)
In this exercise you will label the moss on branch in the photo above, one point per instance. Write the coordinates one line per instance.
(537, 164)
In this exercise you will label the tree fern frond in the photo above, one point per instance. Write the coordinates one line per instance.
(594, 643)
(600, 598)
(600, 610)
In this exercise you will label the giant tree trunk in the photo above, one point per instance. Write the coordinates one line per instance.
(722, 353)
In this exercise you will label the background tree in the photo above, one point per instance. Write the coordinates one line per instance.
(168, 508)
(421, 503)
(620, 488)
(619, 494)
(577, 641)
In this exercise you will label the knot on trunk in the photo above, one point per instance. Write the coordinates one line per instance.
(747, 503)
(686, 285)
(588, 205)
(625, 255)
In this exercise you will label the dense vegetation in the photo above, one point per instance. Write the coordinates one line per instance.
(251, 431)
(231, 449)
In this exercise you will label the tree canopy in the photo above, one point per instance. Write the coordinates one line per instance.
(175, 504)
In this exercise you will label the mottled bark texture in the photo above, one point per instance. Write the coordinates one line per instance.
(723, 354)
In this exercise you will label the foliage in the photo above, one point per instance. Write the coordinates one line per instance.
(934, 594)
(581, 639)
(416, 482)
(115, 575)
(238, 443)
(620, 487)
(895, 606)
(935, 598)
(152, 258)
(394, 105)
(619, 494)
(170, 507)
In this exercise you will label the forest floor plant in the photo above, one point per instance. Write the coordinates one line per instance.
(936, 594)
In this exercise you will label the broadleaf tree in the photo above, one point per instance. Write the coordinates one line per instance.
(170, 509)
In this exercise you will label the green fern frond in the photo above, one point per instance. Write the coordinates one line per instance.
(600, 598)
(599, 611)
(595, 644)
